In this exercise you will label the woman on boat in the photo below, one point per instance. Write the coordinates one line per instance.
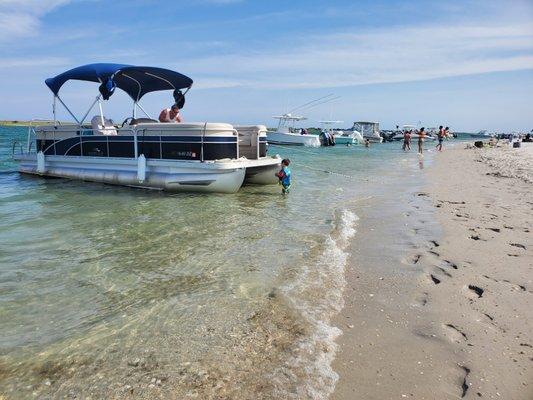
(421, 136)
(171, 114)
(407, 140)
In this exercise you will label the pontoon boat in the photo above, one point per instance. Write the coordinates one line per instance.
(142, 152)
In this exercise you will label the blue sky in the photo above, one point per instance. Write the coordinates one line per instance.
(466, 64)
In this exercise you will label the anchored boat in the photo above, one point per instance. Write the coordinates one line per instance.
(369, 130)
(345, 137)
(142, 152)
(286, 134)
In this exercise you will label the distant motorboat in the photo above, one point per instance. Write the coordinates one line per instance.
(399, 135)
(369, 130)
(286, 134)
(343, 137)
(483, 134)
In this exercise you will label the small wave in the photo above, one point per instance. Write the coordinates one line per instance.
(317, 297)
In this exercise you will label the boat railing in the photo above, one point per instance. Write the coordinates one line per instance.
(17, 144)
(88, 132)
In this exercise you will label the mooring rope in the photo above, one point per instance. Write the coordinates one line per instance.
(326, 171)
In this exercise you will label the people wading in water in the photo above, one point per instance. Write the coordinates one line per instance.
(407, 140)
(440, 137)
(421, 136)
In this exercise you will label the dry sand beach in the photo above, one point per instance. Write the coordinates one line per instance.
(453, 318)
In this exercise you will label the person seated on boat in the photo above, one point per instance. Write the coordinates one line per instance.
(171, 114)
(284, 176)
(303, 131)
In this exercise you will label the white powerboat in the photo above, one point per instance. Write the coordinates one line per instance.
(286, 134)
(340, 136)
(369, 130)
(142, 152)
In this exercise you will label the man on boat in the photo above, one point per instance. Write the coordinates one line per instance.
(171, 114)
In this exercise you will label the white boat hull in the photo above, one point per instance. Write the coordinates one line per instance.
(262, 172)
(293, 139)
(374, 139)
(174, 175)
(344, 140)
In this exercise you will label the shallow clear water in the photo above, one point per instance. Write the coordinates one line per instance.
(110, 291)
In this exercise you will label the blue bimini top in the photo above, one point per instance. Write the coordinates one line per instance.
(134, 80)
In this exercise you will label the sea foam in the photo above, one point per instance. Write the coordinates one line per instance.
(317, 296)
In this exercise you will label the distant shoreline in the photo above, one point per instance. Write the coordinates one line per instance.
(24, 123)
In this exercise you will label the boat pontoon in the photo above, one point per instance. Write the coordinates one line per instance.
(286, 134)
(142, 152)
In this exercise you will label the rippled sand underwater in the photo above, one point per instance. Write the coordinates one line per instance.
(111, 292)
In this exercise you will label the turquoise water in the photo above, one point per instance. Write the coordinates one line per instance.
(110, 291)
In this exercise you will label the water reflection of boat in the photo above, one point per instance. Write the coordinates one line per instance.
(142, 152)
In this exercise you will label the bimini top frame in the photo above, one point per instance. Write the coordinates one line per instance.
(134, 80)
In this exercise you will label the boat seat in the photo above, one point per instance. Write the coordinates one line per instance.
(103, 128)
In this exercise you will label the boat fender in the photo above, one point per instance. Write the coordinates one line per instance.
(40, 163)
(141, 168)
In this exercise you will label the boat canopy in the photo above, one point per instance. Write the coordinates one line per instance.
(134, 80)
(289, 117)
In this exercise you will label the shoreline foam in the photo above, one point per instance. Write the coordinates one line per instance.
(315, 352)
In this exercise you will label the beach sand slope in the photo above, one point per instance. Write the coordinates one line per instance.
(459, 325)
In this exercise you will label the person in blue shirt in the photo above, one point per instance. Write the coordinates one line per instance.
(284, 176)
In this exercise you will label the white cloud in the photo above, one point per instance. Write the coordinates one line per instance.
(396, 54)
(21, 18)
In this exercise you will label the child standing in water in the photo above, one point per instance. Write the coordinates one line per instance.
(284, 176)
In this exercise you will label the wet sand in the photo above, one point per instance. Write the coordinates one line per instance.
(451, 318)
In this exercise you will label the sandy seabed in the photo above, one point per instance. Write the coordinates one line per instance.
(453, 317)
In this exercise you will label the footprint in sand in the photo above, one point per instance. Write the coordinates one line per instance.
(413, 260)
(474, 292)
(422, 299)
(464, 384)
(476, 237)
(449, 264)
(520, 246)
(443, 272)
(454, 334)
